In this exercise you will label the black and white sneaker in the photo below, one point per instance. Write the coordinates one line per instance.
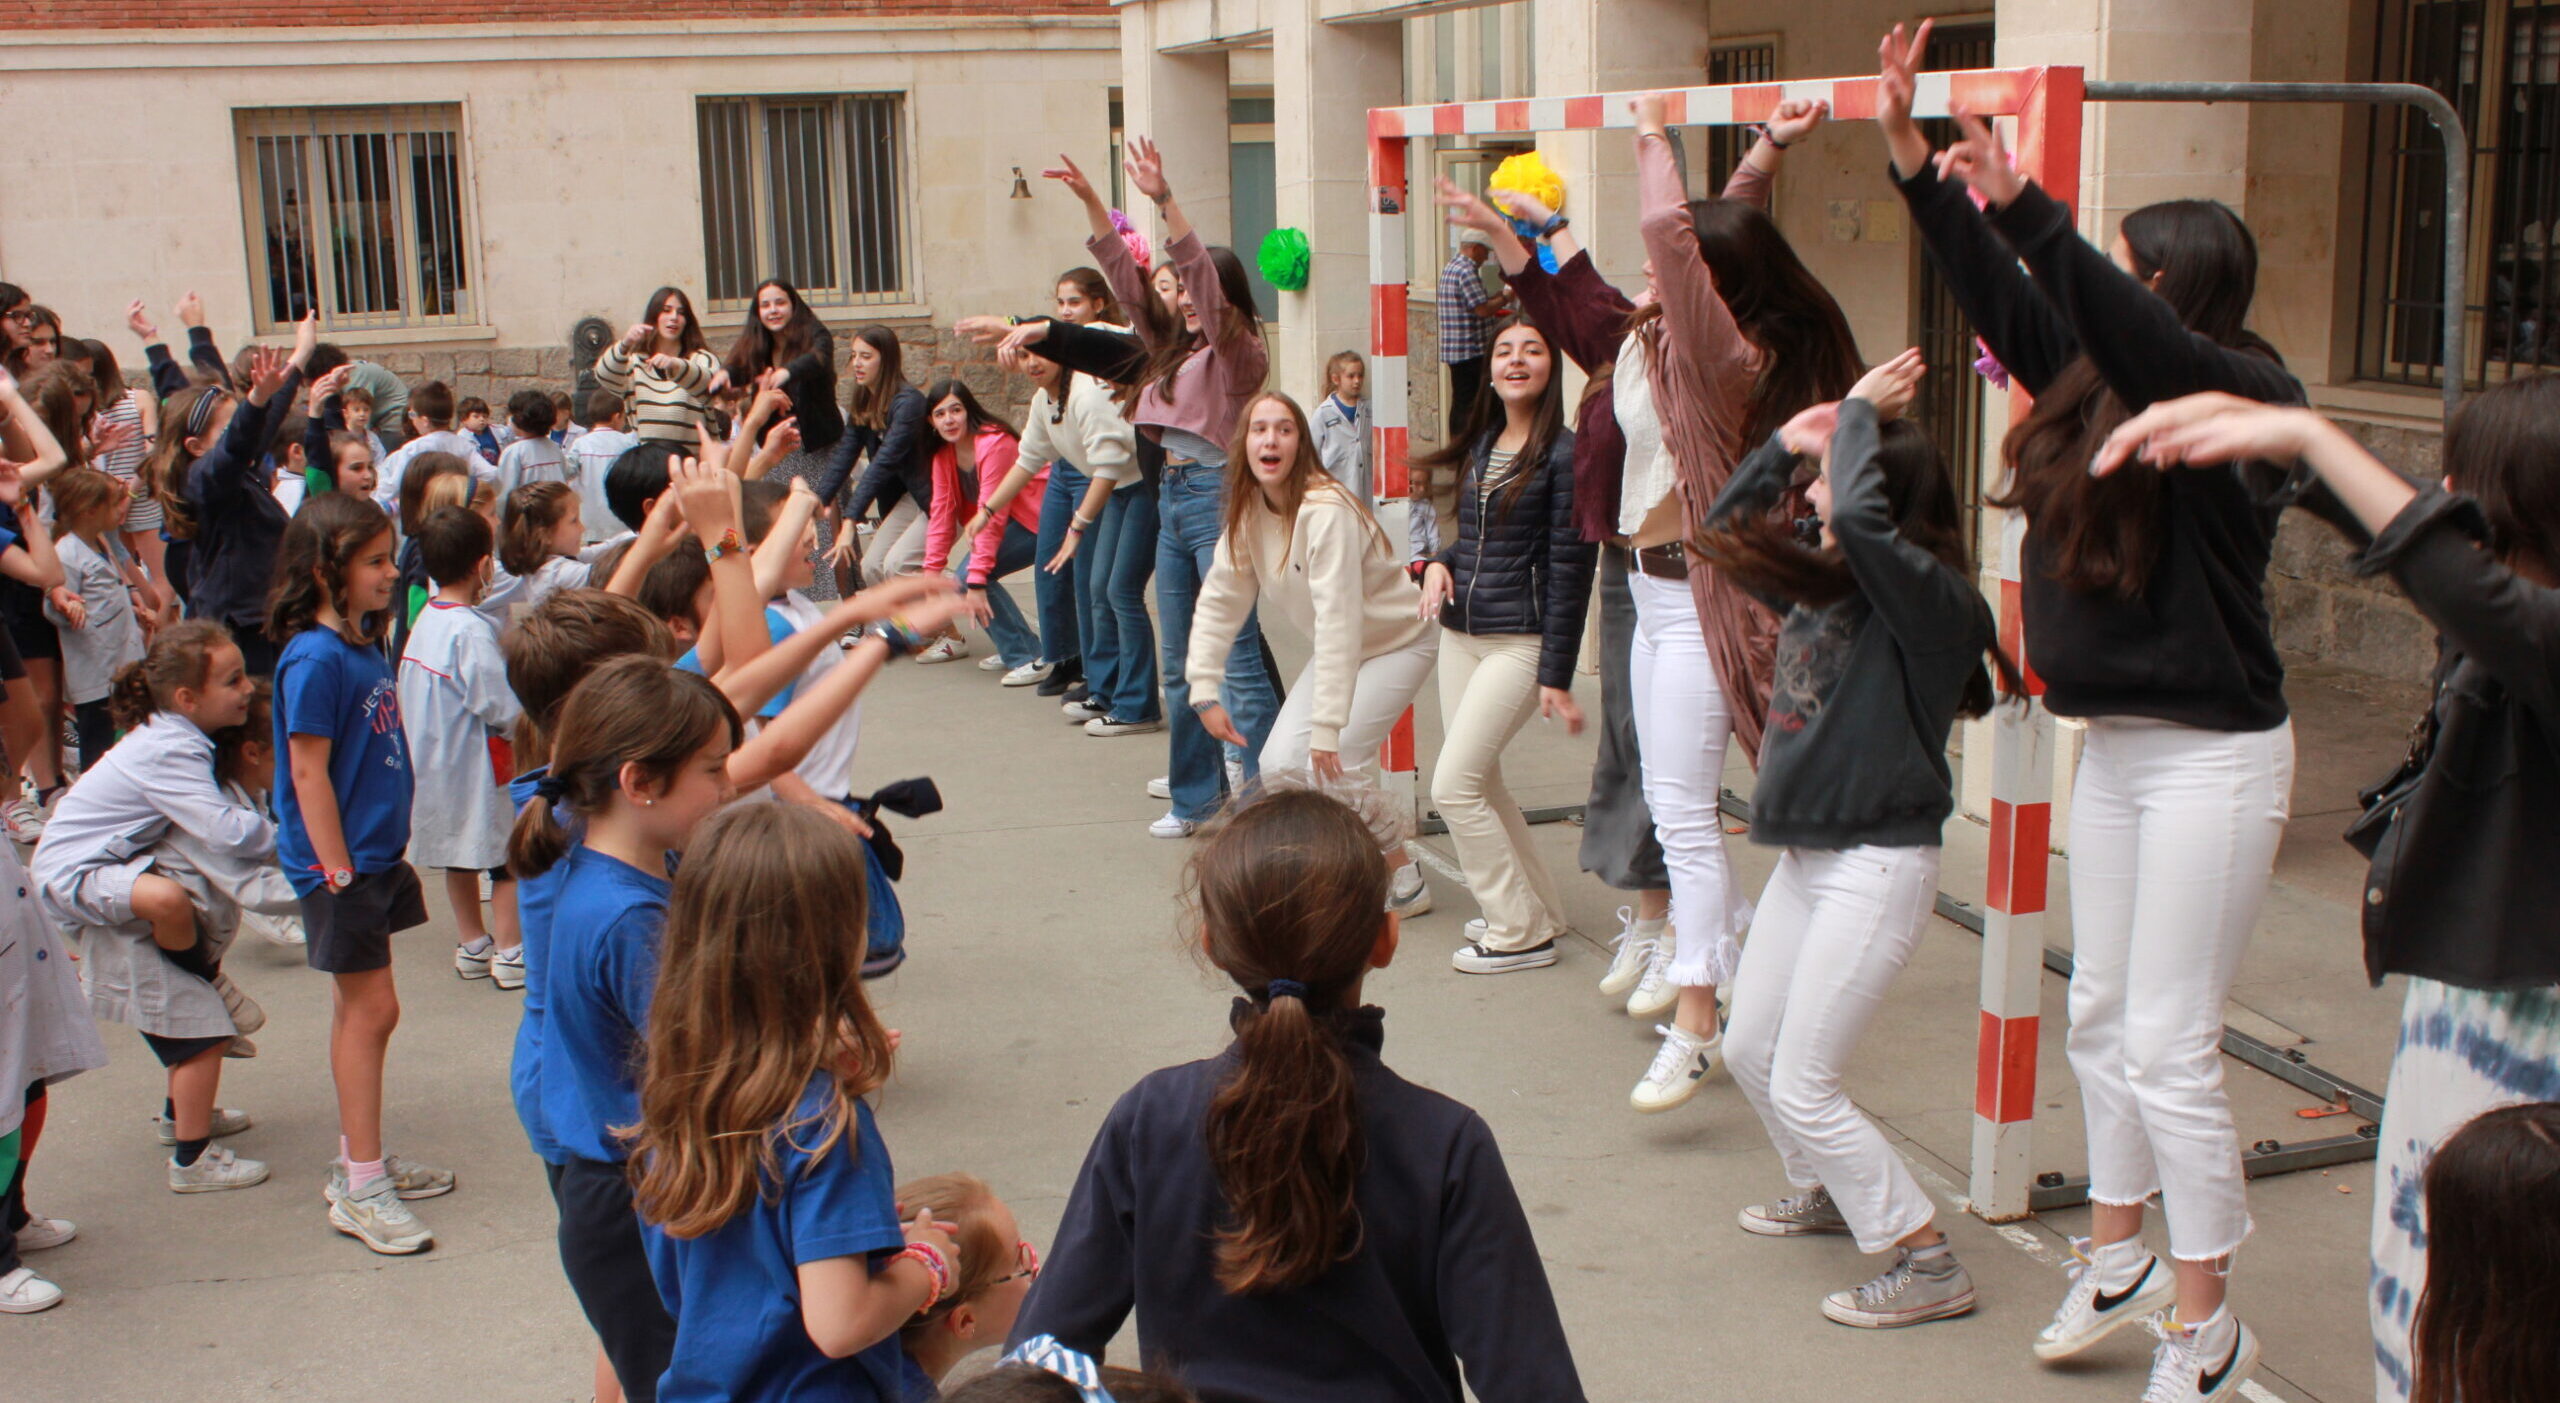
(2203, 1363)
(2089, 1312)
(1062, 679)
(1474, 958)
(1114, 726)
(1089, 709)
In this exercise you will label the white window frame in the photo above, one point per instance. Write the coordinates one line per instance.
(403, 124)
(900, 182)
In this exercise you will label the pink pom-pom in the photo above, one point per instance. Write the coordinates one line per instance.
(1988, 366)
(1139, 249)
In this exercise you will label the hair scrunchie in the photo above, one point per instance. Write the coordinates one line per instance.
(1045, 1352)
(551, 789)
(1285, 989)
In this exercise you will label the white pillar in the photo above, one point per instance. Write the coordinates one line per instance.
(1324, 80)
(1615, 46)
(1180, 100)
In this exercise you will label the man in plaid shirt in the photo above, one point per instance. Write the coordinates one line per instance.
(1466, 309)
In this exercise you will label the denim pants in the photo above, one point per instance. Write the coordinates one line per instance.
(1063, 597)
(1118, 559)
(1015, 642)
(1192, 497)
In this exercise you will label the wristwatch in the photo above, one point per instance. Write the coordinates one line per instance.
(340, 878)
(1553, 226)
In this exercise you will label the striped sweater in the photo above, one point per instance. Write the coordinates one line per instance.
(665, 406)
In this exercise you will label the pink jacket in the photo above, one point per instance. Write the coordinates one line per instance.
(1211, 388)
(1704, 374)
(996, 451)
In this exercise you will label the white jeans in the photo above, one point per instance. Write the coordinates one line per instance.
(1380, 693)
(1833, 931)
(1488, 691)
(2173, 841)
(1682, 727)
(897, 548)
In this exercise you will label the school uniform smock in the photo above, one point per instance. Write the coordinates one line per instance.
(1331, 576)
(735, 1291)
(108, 637)
(1446, 1275)
(45, 1030)
(456, 707)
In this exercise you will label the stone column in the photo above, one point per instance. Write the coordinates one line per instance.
(1325, 78)
(1613, 46)
(1180, 100)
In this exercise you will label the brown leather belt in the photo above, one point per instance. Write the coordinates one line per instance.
(1669, 561)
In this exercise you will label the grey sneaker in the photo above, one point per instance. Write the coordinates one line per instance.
(1798, 1215)
(246, 1015)
(506, 968)
(412, 1181)
(1908, 1293)
(215, 1170)
(226, 1121)
(378, 1219)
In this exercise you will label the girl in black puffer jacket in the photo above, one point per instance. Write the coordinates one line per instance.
(1510, 592)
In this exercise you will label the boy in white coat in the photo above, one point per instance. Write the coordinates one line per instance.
(456, 707)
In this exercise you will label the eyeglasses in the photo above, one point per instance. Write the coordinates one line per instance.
(1026, 1260)
(22, 316)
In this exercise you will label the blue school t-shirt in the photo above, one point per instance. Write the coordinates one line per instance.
(735, 1291)
(601, 968)
(777, 627)
(326, 686)
(534, 899)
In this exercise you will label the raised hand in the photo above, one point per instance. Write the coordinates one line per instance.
(709, 494)
(1468, 210)
(785, 438)
(982, 329)
(1522, 205)
(1145, 166)
(1892, 385)
(306, 338)
(1071, 175)
(191, 309)
(267, 366)
(1809, 433)
(1652, 113)
(2206, 429)
(139, 322)
(1981, 160)
(1898, 79)
(1021, 337)
(1796, 118)
(111, 438)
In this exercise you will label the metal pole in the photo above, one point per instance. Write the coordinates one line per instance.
(2457, 172)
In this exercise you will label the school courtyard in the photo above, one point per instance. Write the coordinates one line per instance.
(1047, 973)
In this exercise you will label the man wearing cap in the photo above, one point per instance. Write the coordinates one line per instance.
(1466, 310)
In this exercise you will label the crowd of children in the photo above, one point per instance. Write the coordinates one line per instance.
(314, 630)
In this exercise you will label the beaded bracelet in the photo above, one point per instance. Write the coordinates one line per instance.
(899, 636)
(937, 1269)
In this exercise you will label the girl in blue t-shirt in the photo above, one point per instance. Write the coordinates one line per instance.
(773, 1222)
(342, 834)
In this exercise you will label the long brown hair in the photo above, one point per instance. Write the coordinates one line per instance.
(1096, 289)
(2502, 449)
(2483, 1328)
(2102, 534)
(1290, 889)
(55, 391)
(630, 711)
(533, 511)
(870, 405)
(180, 656)
(318, 545)
(759, 349)
(759, 991)
(686, 344)
(164, 473)
(552, 647)
(1306, 477)
(1767, 558)
(1169, 344)
(423, 470)
(1488, 416)
(1808, 355)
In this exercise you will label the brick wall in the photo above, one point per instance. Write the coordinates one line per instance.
(249, 14)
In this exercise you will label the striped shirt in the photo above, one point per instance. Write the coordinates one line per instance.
(667, 406)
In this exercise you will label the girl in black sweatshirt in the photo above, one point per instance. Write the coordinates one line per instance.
(2463, 899)
(1879, 651)
(1290, 1219)
(2144, 615)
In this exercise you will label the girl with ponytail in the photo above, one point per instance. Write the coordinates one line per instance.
(1286, 1218)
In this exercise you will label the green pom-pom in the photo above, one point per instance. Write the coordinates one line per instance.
(1284, 257)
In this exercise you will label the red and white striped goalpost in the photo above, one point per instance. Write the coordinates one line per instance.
(2046, 106)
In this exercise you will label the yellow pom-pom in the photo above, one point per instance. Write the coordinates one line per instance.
(1529, 174)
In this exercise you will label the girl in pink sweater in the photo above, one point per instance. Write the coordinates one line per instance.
(978, 450)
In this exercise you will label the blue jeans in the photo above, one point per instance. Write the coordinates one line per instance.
(1120, 648)
(1015, 642)
(1192, 500)
(1062, 597)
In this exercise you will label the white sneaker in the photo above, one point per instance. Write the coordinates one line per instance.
(1114, 726)
(1910, 1292)
(2192, 1365)
(943, 650)
(1682, 1063)
(1172, 826)
(1655, 994)
(1030, 674)
(992, 662)
(378, 1219)
(1409, 901)
(409, 1181)
(473, 965)
(1474, 958)
(23, 819)
(1627, 963)
(1807, 1214)
(246, 1015)
(1084, 709)
(2088, 1314)
(22, 1292)
(1161, 787)
(215, 1170)
(42, 1233)
(278, 930)
(1235, 776)
(506, 968)
(226, 1121)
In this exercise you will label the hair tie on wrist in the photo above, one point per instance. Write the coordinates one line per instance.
(1043, 1352)
(1285, 989)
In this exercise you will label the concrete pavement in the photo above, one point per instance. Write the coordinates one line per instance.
(1046, 975)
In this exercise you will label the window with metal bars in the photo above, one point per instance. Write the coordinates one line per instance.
(1753, 62)
(1950, 405)
(360, 212)
(2498, 63)
(807, 188)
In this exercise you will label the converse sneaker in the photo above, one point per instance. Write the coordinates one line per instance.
(1629, 953)
(1084, 709)
(1924, 1285)
(1797, 1215)
(943, 650)
(994, 662)
(215, 1170)
(42, 1233)
(1062, 681)
(246, 1015)
(1409, 898)
(506, 968)
(1030, 674)
(278, 930)
(2143, 1286)
(1474, 958)
(226, 1121)
(1161, 787)
(474, 964)
(1114, 726)
(23, 819)
(22, 1292)
(2203, 1363)
(1684, 1060)
(1235, 775)
(1076, 690)
(409, 1181)
(378, 1219)
(1655, 994)
(1172, 826)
